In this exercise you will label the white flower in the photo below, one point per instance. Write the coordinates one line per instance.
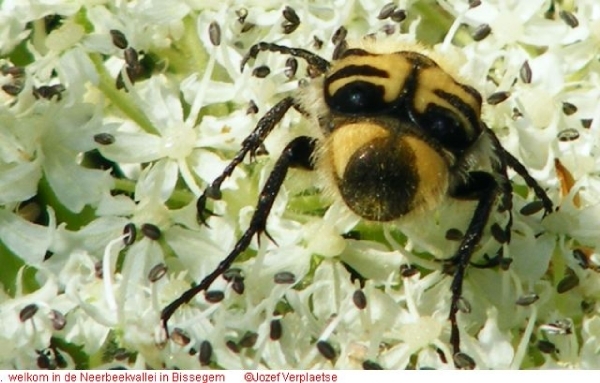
(31, 319)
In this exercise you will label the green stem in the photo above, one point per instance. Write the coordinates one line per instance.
(179, 197)
(437, 22)
(568, 5)
(11, 264)
(125, 185)
(74, 221)
(120, 99)
(186, 55)
(38, 37)
(191, 46)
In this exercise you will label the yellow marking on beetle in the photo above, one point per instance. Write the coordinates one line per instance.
(431, 79)
(347, 140)
(433, 173)
(395, 65)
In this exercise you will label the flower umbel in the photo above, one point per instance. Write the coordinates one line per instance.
(115, 117)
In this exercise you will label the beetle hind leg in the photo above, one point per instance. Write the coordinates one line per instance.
(485, 188)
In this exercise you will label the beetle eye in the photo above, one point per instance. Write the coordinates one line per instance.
(358, 97)
(444, 127)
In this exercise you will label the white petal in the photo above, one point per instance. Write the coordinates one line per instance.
(200, 252)
(72, 127)
(26, 240)
(154, 11)
(93, 237)
(161, 104)
(115, 205)
(531, 255)
(424, 331)
(157, 181)
(76, 71)
(496, 345)
(19, 182)
(208, 166)
(74, 185)
(215, 93)
(372, 260)
(133, 148)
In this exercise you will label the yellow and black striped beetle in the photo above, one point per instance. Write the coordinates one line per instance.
(397, 132)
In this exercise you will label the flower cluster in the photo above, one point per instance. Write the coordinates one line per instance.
(115, 115)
